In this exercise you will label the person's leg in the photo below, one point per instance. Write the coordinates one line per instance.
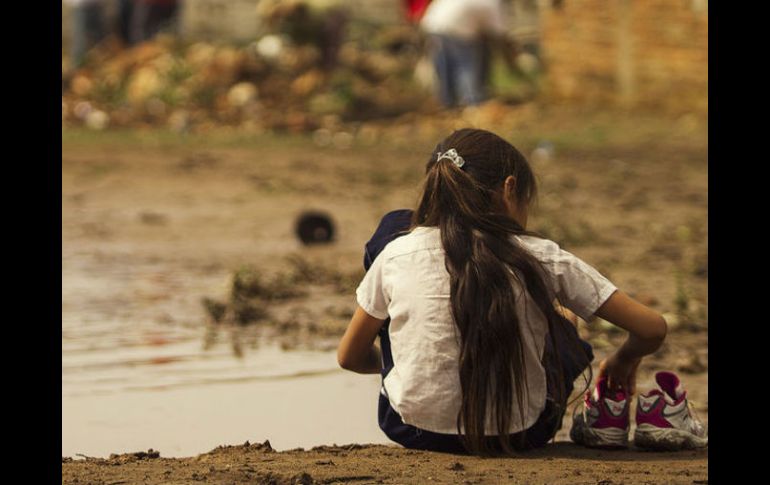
(547, 425)
(87, 30)
(160, 18)
(440, 53)
(154, 20)
(469, 59)
(96, 23)
(125, 11)
(139, 22)
(333, 35)
(79, 33)
(172, 18)
(485, 67)
(412, 437)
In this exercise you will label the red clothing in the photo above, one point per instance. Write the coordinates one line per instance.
(415, 9)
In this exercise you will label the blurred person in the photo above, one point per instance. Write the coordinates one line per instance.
(318, 22)
(88, 27)
(125, 14)
(150, 17)
(461, 34)
(477, 315)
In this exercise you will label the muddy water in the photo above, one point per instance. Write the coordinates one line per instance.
(290, 410)
(142, 243)
(140, 369)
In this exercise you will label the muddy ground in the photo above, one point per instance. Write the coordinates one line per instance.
(561, 463)
(627, 193)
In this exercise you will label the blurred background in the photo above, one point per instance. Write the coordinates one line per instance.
(224, 162)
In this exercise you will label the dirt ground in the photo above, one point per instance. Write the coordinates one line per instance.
(627, 193)
(561, 463)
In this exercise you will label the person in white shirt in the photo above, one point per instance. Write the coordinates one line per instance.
(475, 351)
(460, 32)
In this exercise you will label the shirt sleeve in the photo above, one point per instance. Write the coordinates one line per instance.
(579, 286)
(373, 294)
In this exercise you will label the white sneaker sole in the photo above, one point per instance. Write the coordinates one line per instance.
(582, 434)
(667, 439)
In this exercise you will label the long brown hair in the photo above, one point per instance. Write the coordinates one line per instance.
(485, 266)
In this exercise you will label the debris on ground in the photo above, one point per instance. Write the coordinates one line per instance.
(275, 84)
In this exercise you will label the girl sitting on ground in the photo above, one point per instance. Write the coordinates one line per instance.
(475, 352)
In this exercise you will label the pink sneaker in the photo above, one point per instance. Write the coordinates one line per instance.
(604, 422)
(665, 420)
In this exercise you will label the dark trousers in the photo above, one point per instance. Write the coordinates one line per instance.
(88, 29)
(149, 19)
(573, 364)
(125, 13)
(459, 65)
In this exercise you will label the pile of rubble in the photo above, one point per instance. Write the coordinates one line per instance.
(269, 84)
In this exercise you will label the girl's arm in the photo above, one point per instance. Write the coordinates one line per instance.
(357, 351)
(646, 332)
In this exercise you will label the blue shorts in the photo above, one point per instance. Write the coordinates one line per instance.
(393, 225)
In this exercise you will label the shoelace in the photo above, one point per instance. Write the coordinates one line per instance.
(575, 409)
(579, 406)
(691, 406)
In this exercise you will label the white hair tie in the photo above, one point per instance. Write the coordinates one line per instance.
(452, 155)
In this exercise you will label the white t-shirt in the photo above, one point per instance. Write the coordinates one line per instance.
(409, 283)
(464, 18)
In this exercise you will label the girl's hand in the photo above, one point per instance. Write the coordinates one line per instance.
(620, 373)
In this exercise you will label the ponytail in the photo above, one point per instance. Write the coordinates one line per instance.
(486, 266)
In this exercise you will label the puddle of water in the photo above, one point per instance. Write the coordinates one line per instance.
(139, 371)
(338, 407)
